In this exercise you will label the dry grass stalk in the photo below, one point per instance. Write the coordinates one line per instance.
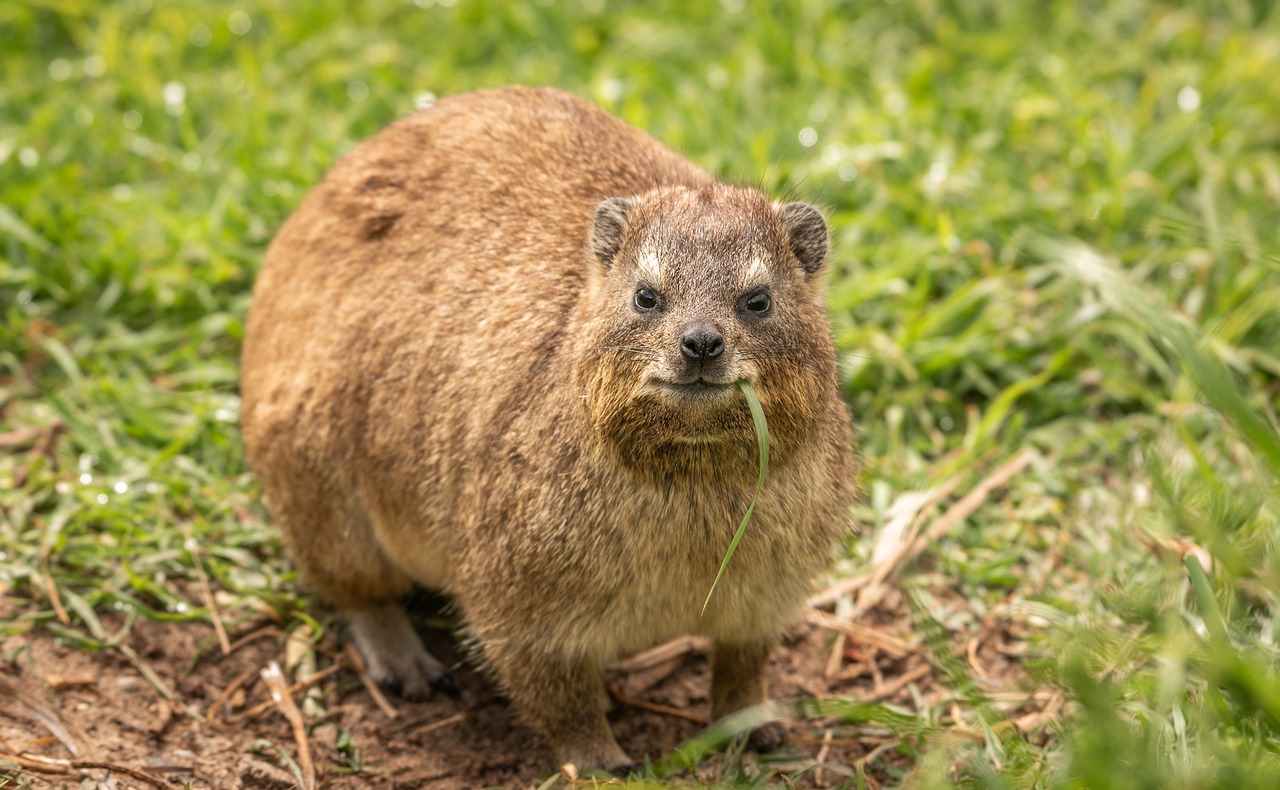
(51, 589)
(971, 501)
(51, 766)
(254, 636)
(274, 678)
(206, 592)
(423, 729)
(19, 439)
(892, 542)
(32, 706)
(236, 683)
(819, 775)
(892, 645)
(654, 707)
(884, 691)
(356, 662)
(302, 685)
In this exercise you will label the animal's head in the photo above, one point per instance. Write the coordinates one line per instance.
(699, 289)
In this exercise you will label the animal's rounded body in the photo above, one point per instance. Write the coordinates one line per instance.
(494, 353)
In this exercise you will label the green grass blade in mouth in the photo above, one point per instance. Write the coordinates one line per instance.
(762, 442)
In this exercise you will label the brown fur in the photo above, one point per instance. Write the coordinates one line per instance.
(446, 382)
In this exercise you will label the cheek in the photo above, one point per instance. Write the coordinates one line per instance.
(636, 332)
(793, 347)
(760, 339)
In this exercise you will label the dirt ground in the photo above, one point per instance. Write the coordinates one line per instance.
(126, 734)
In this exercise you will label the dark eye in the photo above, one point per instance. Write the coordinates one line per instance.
(758, 303)
(645, 299)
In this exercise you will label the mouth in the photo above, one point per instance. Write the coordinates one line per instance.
(697, 389)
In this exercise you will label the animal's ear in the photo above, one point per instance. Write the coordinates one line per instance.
(806, 233)
(612, 218)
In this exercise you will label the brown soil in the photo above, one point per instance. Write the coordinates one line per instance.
(119, 720)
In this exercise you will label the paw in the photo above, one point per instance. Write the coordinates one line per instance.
(394, 656)
(767, 738)
(409, 676)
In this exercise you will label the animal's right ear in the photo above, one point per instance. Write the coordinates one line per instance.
(612, 218)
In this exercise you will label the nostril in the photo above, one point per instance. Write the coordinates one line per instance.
(713, 345)
(691, 347)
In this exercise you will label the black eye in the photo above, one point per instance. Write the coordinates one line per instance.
(758, 303)
(645, 299)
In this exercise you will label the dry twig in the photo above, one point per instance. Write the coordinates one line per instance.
(222, 698)
(887, 690)
(954, 516)
(253, 636)
(655, 707)
(274, 678)
(51, 589)
(819, 775)
(302, 685)
(206, 591)
(870, 757)
(836, 658)
(34, 707)
(136, 773)
(43, 446)
(892, 645)
(425, 728)
(51, 766)
(356, 662)
(971, 501)
(20, 439)
(899, 541)
(893, 540)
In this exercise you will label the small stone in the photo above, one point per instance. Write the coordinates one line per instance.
(128, 683)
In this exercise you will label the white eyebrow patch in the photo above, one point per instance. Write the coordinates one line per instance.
(756, 273)
(649, 268)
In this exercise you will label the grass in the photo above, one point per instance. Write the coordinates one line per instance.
(1054, 232)
(762, 443)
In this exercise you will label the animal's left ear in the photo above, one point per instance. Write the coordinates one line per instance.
(806, 233)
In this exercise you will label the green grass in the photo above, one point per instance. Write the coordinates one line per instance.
(762, 443)
(1054, 229)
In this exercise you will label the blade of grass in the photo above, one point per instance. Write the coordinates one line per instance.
(762, 442)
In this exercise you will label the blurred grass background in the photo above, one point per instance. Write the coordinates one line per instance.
(1055, 230)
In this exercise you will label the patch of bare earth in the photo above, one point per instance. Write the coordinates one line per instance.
(69, 714)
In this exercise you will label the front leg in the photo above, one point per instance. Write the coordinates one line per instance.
(563, 699)
(737, 682)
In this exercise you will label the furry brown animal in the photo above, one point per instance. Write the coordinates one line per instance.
(494, 353)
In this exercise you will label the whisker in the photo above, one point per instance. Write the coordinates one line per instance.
(637, 350)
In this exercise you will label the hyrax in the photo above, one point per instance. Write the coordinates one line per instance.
(495, 353)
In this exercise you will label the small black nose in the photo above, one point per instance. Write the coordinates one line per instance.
(701, 341)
